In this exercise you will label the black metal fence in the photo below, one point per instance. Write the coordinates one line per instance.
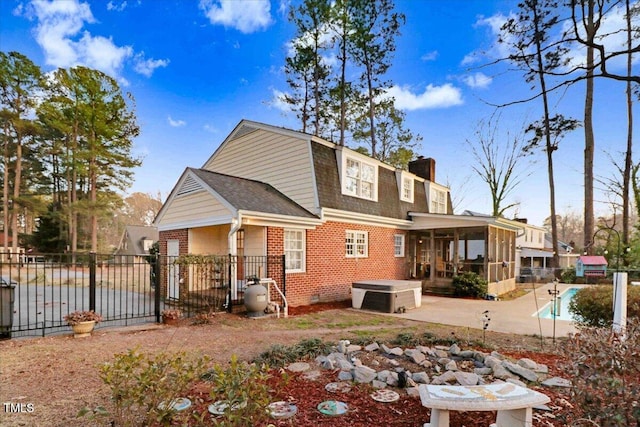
(210, 283)
(36, 293)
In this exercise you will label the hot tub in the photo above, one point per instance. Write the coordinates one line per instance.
(389, 296)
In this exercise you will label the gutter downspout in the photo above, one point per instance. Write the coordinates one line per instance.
(233, 250)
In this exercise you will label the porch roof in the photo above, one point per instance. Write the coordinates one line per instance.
(536, 253)
(249, 195)
(426, 221)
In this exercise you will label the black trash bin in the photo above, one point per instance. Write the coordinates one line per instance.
(7, 298)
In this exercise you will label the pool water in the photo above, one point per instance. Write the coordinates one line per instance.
(563, 313)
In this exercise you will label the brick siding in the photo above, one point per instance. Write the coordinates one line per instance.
(329, 273)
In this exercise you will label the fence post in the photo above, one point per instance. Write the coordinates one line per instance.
(155, 265)
(284, 275)
(92, 281)
(229, 302)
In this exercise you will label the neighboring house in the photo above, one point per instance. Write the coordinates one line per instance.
(337, 215)
(7, 255)
(535, 253)
(135, 243)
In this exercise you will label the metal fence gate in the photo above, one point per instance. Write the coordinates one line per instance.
(37, 292)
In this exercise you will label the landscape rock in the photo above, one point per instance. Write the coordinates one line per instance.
(557, 382)
(345, 376)
(372, 347)
(420, 377)
(417, 356)
(483, 371)
(525, 373)
(352, 348)
(446, 378)
(454, 350)
(364, 374)
(466, 378)
(528, 363)
(396, 351)
(325, 363)
(298, 367)
(467, 354)
(451, 366)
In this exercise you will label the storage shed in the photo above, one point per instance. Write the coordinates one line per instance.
(591, 266)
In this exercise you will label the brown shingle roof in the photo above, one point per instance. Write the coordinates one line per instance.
(250, 195)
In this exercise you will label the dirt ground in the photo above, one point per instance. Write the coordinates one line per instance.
(53, 377)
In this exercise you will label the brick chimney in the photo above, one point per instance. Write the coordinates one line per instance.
(424, 168)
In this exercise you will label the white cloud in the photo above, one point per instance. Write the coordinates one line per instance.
(245, 16)
(175, 123)
(433, 97)
(210, 128)
(146, 67)
(497, 50)
(59, 33)
(278, 101)
(117, 7)
(477, 80)
(430, 56)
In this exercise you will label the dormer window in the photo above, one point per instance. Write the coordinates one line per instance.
(360, 178)
(437, 198)
(405, 186)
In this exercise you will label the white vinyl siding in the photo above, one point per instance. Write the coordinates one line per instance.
(193, 207)
(398, 245)
(294, 250)
(279, 160)
(360, 179)
(356, 244)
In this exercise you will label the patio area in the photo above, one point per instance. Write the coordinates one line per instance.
(514, 316)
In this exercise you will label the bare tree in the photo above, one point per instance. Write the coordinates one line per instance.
(537, 55)
(497, 162)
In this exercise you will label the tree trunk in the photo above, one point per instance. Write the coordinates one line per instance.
(589, 139)
(626, 178)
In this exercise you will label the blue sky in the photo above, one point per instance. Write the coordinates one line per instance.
(196, 68)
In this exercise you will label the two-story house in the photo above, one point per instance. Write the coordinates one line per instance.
(337, 216)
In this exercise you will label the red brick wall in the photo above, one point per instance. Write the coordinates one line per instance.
(329, 274)
(181, 235)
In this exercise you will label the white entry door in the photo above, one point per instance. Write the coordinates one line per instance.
(173, 250)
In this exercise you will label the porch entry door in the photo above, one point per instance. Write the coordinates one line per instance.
(173, 251)
(443, 256)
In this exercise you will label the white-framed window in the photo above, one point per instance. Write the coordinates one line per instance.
(294, 250)
(398, 245)
(356, 244)
(360, 179)
(407, 189)
(438, 197)
(438, 201)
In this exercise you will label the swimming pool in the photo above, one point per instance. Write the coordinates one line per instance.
(563, 312)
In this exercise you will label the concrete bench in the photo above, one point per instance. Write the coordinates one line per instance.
(513, 403)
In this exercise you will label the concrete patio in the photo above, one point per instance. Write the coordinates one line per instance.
(514, 316)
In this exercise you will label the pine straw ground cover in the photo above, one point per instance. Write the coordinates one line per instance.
(59, 375)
